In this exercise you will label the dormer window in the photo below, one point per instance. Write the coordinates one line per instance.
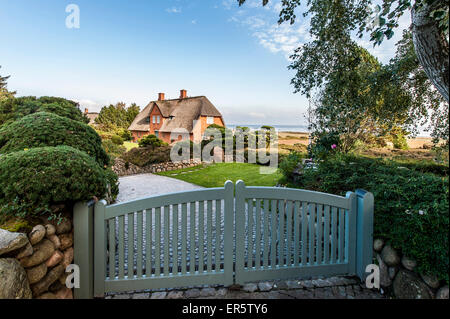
(171, 117)
(147, 120)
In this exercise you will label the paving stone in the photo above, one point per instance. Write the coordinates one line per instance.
(265, 286)
(207, 292)
(250, 287)
(141, 296)
(307, 283)
(221, 292)
(159, 295)
(175, 295)
(192, 293)
(121, 297)
(349, 291)
(300, 294)
(294, 284)
(281, 284)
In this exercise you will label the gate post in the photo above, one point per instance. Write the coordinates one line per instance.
(240, 230)
(83, 223)
(99, 249)
(364, 232)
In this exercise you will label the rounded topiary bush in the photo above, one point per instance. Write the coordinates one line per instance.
(14, 108)
(46, 129)
(33, 180)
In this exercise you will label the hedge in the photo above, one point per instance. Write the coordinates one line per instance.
(46, 129)
(33, 180)
(143, 156)
(411, 208)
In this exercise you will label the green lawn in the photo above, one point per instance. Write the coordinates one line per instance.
(130, 145)
(215, 175)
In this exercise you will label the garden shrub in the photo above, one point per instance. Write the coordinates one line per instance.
(151, 140)
(325, 144)
(116, 139)
(15, 108)
(113, 150)
(411, 208)
(143, 156)
(33, 180)
(47, 129)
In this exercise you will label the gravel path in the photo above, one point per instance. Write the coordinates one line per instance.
(145, 185)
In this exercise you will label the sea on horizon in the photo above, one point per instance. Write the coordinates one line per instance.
(280, 128)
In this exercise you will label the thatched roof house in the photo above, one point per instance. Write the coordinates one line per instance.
(165, 118)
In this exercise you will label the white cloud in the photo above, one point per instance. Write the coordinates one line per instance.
(174, 10)
(194, 21)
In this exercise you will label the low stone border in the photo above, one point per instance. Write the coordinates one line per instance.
(121, 168)
(320, 288)
(33, 265)
(399, 278)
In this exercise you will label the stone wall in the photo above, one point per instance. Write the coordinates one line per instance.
(122, 168)
(399, 278)
(33, 265)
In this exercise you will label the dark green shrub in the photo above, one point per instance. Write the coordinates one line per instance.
(289, 164)
(47, 129)
(143, 156)
(151, 140)
(125, 134)
(411, 208)
(15, 108)
(31, 181)
(116, 139)
(113, 150)
(325, 144)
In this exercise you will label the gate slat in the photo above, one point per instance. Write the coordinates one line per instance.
(250, 216)
(139, 244)
(183, 238)
(209, 237)
(175, 240)
(289, 233)
(121, 246)
(333, 234)
(218, 215)
(273, 234)
(266, 234)
(192, 231)
(158, 241)
(304, 232)
(341, 235)
(281, 251)
(201, 231)
(258, 234)
(296, 233)
(148, 242)
(166, 212)
(312, 227)
(130, 265)
(327, 234)
(319, 234)
(112, 248)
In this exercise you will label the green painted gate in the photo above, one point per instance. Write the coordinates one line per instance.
(214, 236)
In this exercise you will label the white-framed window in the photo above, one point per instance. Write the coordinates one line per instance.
(210, 120)
(154, 119)
(158, 119)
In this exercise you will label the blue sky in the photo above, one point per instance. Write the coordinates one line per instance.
(131, 50)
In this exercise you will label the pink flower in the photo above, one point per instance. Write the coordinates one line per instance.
(333, 146)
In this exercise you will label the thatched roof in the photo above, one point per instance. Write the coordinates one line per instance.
(177, 113)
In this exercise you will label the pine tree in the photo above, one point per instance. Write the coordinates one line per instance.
(4, 93)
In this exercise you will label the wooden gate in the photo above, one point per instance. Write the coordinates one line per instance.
(209, 236)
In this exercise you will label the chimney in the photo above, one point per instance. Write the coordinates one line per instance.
(86, 111)
(183, 94)
(161, 96)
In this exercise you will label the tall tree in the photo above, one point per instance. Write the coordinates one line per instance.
(117, 116)
(4, 93)
(334, 18)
